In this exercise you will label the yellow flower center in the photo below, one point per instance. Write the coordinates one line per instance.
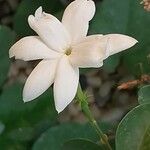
(68, 51)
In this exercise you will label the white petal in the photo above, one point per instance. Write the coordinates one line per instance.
(65, 85)
(32, 48)
(117, 43)
(90, 38)
(90, 52)
(39, 80)
(38, 13)
(50, 29)
(76, 18)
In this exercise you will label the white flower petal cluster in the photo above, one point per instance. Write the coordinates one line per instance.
(64, 47)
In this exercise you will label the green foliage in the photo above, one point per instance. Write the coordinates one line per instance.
(134, 130)
(55, 137)
(28, 7)
(126, 17)
(11, 99)
(144, 94)
(80, 144)
(23, 122)
(7, 37)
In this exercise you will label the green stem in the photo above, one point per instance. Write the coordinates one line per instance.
(82, 99)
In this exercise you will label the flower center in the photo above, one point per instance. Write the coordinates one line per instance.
(68, 51)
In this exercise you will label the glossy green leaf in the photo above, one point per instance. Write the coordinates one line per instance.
(80, 144)
(28, 7)
(126, 17)
(7, 37)
(55, 137)
(133, 132)
(144, 94)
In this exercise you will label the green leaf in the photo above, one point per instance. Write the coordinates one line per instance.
(7, 37)
(24, 122)
(126, 17)
(144, 94)
(21, 134)
(28, 7)
(6, 144)
(55, 137)
(80, 144)
(11, 99)
(133, 132)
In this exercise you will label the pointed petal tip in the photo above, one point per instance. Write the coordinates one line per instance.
(25, 101)
(118, 42)
(39, 9)
(11, 53)
(61, 106)
(59, 110)
(38, 12)
(27, 98)
(128, 38)
(132, 42)
(136, 41)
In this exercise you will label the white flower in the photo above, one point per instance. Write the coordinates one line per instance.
(63, 48)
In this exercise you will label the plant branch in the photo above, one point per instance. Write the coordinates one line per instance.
(82, 99)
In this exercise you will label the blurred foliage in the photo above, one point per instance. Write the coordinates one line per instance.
(34, 125)
(23, 123)
(7, 37)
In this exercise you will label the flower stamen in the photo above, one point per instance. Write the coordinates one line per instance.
(68, 51)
